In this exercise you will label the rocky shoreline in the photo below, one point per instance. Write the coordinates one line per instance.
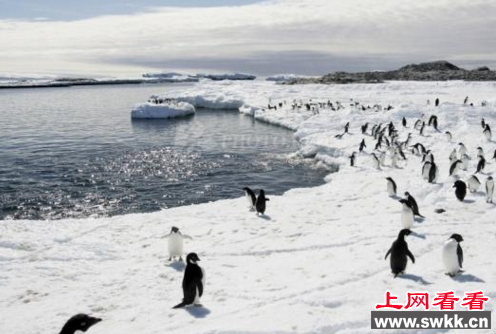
(431, 71)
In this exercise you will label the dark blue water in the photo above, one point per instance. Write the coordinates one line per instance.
(74, 152)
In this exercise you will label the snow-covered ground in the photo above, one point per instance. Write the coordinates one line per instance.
(313, 264)
(164, 110)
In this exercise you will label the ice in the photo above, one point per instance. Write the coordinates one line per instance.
(313, 264)
(153, 110)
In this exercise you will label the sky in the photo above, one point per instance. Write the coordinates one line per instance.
(123, 38)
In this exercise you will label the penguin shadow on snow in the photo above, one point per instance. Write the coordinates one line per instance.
(198, 311)
(415, 278)
(177, 265)
(264, 216)
(467, 278)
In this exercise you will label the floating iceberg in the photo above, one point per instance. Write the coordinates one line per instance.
(169, 110)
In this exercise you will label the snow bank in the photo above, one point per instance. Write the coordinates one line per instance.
(151, 110)
(313, 264)
(284, 77)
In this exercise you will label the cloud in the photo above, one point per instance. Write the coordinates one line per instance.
(302, 36)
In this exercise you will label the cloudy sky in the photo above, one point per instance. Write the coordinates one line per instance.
(129, 37)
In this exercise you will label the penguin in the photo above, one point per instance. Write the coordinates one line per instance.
(352, 159)
(176, 242)
(489, 189)
(448, 136)
(407, 217)
(362, 145)
(461, 190)
(260, 204)
(487, 132)
(346, 127)
(453, 156)
(437, 102)
(428, 156)
(417, 124)
(413, 204)
(462, 149)
(403, 122)
(426, 170)
(465, 161)
(455, 166)
(480, 152)
(375, 161)
(193, 282)
(382, 158)
(79, 322)
(465, 100)
(483, 123)
(481, 165)
(399, 252)
(391, 186)
(250, 196)
(433, 173)
(394, 160)
(421, 131)
(473, 183)
(453, 255)
(364, 128)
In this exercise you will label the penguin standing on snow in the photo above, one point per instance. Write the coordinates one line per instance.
(487, 132)
(346, 127)
(461, 190)
(473, 183)
(462, 149)
(407, 217)
(352, 159)
(362, 145)
(448, 136)
(176, 243)
(193, 282)
(489, 189)
(399, 252)
(413, 204)
(250, 196)
(481, 165)
(79, 322)
(260, 204)
(455, 167)
(375, 161)
(391, 186)
(403, 122)
(453, 255)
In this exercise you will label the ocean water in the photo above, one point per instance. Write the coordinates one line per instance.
(75, 152)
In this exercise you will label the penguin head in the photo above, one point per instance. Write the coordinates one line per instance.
(174, 229)
(79, 322)
(407, 194)
(459, 184)
(457, 237)
(489, 178)
(261, 193)
(192, 258)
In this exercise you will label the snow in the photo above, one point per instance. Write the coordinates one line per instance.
(284, 77)
(313, 264)
(152, 110)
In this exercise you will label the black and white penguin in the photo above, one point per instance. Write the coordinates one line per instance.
(413, 204)
(399, 252)
(364, 128)
(481, 165)
(436, 102)
(480, 152)
(193, 282)
(346, 127)
(375, 161)
(473, 183)
(453, 156)
(352, 159)
(483, 123)
(176, 243)
(391, 186)
(407, 217)
(448, 136)
(250, 196)
(461, 190)
(462, 149)
(455, 167)
(362, 145)
(79, 322)
(260, 205)
(403, 122)
(433, 173)
(453, 255)
(489, 189)
(487, 132)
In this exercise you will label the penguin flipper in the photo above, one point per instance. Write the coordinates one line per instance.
(185, 236)
(180, 305)
(410, 255)
(459, 252)
(388, 252)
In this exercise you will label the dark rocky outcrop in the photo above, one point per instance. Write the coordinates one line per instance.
(431, 71)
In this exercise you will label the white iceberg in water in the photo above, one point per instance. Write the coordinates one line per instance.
(169, 110)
